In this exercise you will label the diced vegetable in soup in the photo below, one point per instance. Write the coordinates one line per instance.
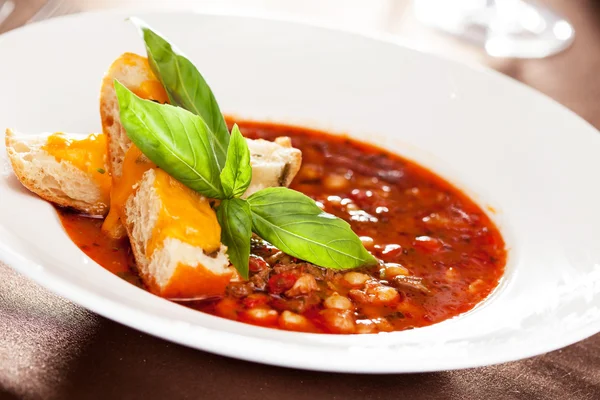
(441, 255)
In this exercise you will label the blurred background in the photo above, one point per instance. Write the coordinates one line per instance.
(545, 43)
(502, 28)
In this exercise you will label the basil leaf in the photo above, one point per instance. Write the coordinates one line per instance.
(172, 138)
(237, 173)
(185, 85)
(293, 223)
(236, 231)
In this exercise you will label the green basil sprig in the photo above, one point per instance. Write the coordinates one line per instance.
(185, 85)
(174, 139)
(237, 173)
(293, 223)
(236, 231)
(195, 147)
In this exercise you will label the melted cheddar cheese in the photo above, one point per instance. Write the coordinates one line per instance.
(189, 282)
(150, 89)
(184, 214)
(134, 166)
(87, 154)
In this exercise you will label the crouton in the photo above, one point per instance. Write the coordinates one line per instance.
(68, 170)
(273, 163)
(175, 237)
(134, 72)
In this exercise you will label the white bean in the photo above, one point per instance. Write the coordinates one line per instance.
(295, 322)
(338, 302)
(393, 269)
(356, 278)
(339, 321)
(336, 182)
(262, 315)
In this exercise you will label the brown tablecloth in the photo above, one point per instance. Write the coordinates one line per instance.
(53, 349)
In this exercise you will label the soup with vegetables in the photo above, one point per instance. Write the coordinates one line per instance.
(265, 224)
(440, 254)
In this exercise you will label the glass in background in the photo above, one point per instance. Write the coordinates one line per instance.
(505, 28)
(6, 8)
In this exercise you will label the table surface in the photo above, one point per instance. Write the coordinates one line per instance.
(51, 348)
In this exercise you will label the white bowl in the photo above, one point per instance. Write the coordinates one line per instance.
(507, 146)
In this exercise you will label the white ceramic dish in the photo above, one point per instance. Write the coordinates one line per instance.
(535, 162)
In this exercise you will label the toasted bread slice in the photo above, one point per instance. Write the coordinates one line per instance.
(177, 258)
(134, 72)
(273, 163)
(68, 170)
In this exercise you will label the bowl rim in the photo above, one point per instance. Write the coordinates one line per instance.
(140, 320)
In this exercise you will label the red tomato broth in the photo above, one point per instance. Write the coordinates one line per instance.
(114, 255)
(452, 252)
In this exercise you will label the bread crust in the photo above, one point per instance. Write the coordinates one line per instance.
(294, 163)
(60, 183)
(273, 163)
(169, 272)
(132, 71)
